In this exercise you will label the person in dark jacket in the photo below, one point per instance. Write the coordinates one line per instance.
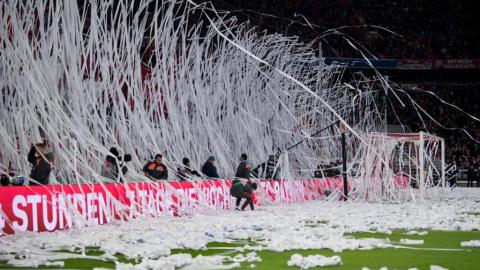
(156, 169)
(185, 171)
(451, 173)
(209, 168)
(240, 191)
(42, 164)
(110, 166)
(318, 172)
(272, 169)
(244, 168)
(259, 171)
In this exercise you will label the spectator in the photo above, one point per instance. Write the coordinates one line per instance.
(42, 162)
(318, 172)
(472, 175)
(272, 170)
(268, 169)
(209, 169)
(259, 171)
(451, 172)
(110, 166)
(459, 146)
(420, 25)
(244, 168)
(185, 172)
(156, 169)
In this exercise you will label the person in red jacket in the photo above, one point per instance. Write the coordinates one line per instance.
(156, 169)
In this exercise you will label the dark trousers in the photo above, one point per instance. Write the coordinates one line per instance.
(248, 201)
(473, 177)
(452, 182)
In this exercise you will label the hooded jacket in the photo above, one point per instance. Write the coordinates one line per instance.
(41, 168)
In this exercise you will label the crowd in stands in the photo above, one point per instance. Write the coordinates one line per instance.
(426, 29)
(449, 121)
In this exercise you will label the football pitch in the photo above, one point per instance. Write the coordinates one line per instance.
(439, 248)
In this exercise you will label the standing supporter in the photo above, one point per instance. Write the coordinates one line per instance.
(240, 191)
(209, 169)
(42, 162)
(272, 169)
(244, 168)
(156, 169)
(110, 166)
(451, 172)
(471, 175)
(115, 166)
(185, 171)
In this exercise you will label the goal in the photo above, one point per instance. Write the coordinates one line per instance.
(395, 162)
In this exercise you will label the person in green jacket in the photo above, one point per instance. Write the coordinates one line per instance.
(240, 191)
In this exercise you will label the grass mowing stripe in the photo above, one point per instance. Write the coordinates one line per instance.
(440, 248)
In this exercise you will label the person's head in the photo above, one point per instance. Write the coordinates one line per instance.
(186, 162)
(211, 159)
(114, 152)
(111, 159)
(158, 159)
(50, 157)
(243, 157)
(254, 186)
(41, 149)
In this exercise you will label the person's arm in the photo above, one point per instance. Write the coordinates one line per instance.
(145, 168)
(31, 155)
(182, 173)
(165, 173)
(214, 172)
(43, 172)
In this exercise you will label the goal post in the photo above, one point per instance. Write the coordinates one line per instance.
(393, 162)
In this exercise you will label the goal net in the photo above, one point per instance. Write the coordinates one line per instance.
(399, 166)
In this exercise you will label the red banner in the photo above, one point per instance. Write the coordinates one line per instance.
(53, 207)
(57, 207)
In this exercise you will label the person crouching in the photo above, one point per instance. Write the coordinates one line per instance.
(240, 191)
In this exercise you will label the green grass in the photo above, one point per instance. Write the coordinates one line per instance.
(394, 258)
(434, 239)
(419, 256)
(374, 259)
